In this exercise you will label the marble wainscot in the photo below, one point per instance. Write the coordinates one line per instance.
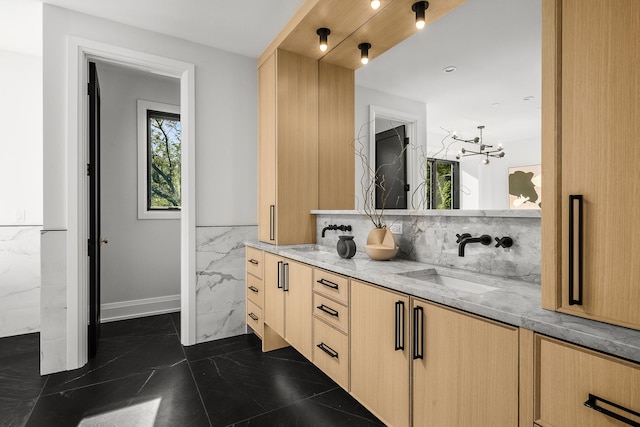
(515, 302)
(19, 280)
(430, 237)
(220, 283)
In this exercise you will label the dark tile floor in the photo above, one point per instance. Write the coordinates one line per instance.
(142, 376)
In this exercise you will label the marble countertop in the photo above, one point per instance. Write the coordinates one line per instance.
(514, 302)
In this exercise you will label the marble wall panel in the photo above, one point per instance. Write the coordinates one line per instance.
(220, 286)
(432, 239)
(19, 280)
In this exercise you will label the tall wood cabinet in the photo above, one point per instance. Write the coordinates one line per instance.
(380, 351)
(591, 110)
(287, 148)
(465, 369)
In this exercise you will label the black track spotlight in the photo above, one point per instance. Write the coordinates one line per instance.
(364, 52)
(420, 8)
(324, 35)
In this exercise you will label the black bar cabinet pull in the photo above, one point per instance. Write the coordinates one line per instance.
(331, 352)
(572, 250)
(280, 263)
(286, 277)
(418, 333)
(272, 224)
(592, 403)
(399, 344)
(253, 261)
(328, 310)
(328, 284)
(253, 316)
(253, 289)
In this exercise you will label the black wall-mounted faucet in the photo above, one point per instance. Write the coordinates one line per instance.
(336, 227)
(465, 238)
(505, 242)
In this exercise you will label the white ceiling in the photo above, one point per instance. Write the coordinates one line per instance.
(495, 45)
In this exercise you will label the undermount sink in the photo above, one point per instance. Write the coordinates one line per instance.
(432, 276)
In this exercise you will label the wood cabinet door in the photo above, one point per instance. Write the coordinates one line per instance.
(273, 310)
(267, 150)
(597, 104)
(569, 376)
(298, 316)
(380, 352)
(465, 369)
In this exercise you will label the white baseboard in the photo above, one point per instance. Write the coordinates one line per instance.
(113, 311)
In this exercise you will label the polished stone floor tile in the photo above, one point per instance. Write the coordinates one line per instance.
(247, 383)
(220, 347)
(143, 326)
(19, 344)
(162, 397)
(120, 357)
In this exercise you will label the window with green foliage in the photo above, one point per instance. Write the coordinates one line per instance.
(163, 151)
(443, 184)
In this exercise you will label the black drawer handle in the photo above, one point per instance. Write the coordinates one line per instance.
(253, 316)
(272, 222)
(418, 333)
(328, 284)
(285, 286)
(330, 311)
(572, 250)
(253, 289)
(331, 352)
(253, 261)
(591, 403)
(280, 273)
(399, 344)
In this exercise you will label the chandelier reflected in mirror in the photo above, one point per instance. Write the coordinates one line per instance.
(482, 150)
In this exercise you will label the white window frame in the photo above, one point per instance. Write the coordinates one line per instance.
(143, 212)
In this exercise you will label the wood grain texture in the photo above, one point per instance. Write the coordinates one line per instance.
(266, 146)
(337, 368)
(469, 373)
(331, 312)
(297, 148)
(336, 153)
(385, 29)
(600, 110)
(256, 324)
(298, 299)
(255, 290)
(551, 154)
(526, 377)
(273, 309)
(379, 374)
(255, 268)
(567, 374)
(337, 287)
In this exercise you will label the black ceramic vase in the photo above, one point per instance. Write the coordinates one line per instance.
(346, 246)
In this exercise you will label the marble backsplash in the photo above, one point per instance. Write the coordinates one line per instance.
(220, 285)
(431, 237)
(19, 280)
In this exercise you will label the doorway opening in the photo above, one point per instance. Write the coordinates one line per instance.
(81, 52)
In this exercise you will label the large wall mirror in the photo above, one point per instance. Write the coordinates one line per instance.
(495, 48)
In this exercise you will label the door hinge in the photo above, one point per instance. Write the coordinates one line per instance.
(406, 187)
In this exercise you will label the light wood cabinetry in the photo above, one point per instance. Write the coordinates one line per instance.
(465, 369)
(380, 352)
(591, 105)
(287, 148)
(255, 291)
(567, 376)
(288, 296)
(331, 325)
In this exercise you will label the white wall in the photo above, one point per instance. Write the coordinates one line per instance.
(21, 141)
(142, 258)
(363, 99)
(20, 192)
(225, 145)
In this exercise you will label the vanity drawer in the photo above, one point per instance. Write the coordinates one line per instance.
(331, 285)
(255, 258)
(569, 376)
(254, 318)
(330, 311)
(255, 290)
(331, 352)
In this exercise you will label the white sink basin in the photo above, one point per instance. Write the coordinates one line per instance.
(432, 276)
